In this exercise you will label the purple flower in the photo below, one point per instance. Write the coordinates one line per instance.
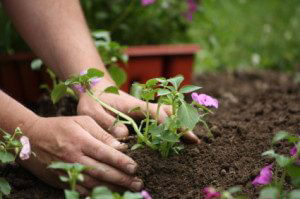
(293, 152)
(94, 81)
(146, 195)
(211, 192)
(205, 100)
(79, 88)
(84, 72)
(265, 176)
(147, 2)
(192, 8)
(26, 149)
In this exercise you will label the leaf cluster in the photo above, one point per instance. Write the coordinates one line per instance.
(165, 137)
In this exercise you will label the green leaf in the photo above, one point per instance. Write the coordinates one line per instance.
(136, 90)
(112, 89)
(168, 136)
(162, 92)
(63, 178)
(6, 157)
(283, 135)
(136, 146)
(71, 194)
(271, 153)
(151, 82)
(4, 186)
(135, 109)
(68, 166)
(102, 193)
(130, 195)
(234, 189)
(295, 194)
(94, 72)
(189, 89)
(176, 81)
(101, 34)
(188, 116)
(36, 64)
(283, 161)
(148, 95)
(58, 92)
(118, 74)
(269, 193)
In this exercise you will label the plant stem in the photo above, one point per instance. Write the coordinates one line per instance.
(147, 119)
(124, 116)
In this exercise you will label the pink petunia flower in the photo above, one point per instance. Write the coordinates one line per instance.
(79, 88)
(146, 195)
(192, 8)
(293, 152)
(94, 81)
(210, 193)
(265, 176)
(26, 149)
(147, 2)
(205, 100)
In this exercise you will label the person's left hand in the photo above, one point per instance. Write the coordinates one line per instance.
(124, 103)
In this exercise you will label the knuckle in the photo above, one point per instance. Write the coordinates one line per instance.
(124, 180)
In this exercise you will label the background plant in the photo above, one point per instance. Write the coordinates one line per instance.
(237, 34)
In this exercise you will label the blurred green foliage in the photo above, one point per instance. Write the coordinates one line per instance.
(241, 33)
(129, 22)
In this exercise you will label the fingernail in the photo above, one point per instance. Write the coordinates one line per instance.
(116, 144)
(131, 168)
(137, 185)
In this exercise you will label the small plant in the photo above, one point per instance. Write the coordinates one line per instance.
(283, 166)
(10, 148)
(163, 137)
(103, 192)
(74, 175)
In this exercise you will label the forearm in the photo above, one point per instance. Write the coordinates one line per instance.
(13, 114)
(57, 32)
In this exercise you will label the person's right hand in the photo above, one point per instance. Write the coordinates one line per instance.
(80, 139)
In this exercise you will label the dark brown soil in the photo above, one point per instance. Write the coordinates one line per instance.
(253, 107)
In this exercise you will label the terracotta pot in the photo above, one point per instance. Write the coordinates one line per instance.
(145, 62)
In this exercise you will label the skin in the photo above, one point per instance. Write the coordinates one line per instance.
(57, 33)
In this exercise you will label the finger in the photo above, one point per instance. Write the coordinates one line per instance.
(94, 129)
(111, 175)
(91, 182)
(191, 137)
(106, 154)
(107, 121)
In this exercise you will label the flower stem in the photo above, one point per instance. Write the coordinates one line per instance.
(124, 116)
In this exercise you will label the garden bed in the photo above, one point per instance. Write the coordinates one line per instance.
(253, 107)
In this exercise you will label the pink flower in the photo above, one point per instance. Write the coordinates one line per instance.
(265, 176)
(192, 8)
(205, 100)
(84, 72)
(147, 2)
(79, 88)
(94, 81)
(211, 192)
(146, 195)
(293, 152)
(26, 149)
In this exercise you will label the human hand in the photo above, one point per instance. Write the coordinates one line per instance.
(80, 139)
(124, 103)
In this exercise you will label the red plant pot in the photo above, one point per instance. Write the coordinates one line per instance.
(145, 62)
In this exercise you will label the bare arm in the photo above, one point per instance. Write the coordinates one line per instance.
(57, 32)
